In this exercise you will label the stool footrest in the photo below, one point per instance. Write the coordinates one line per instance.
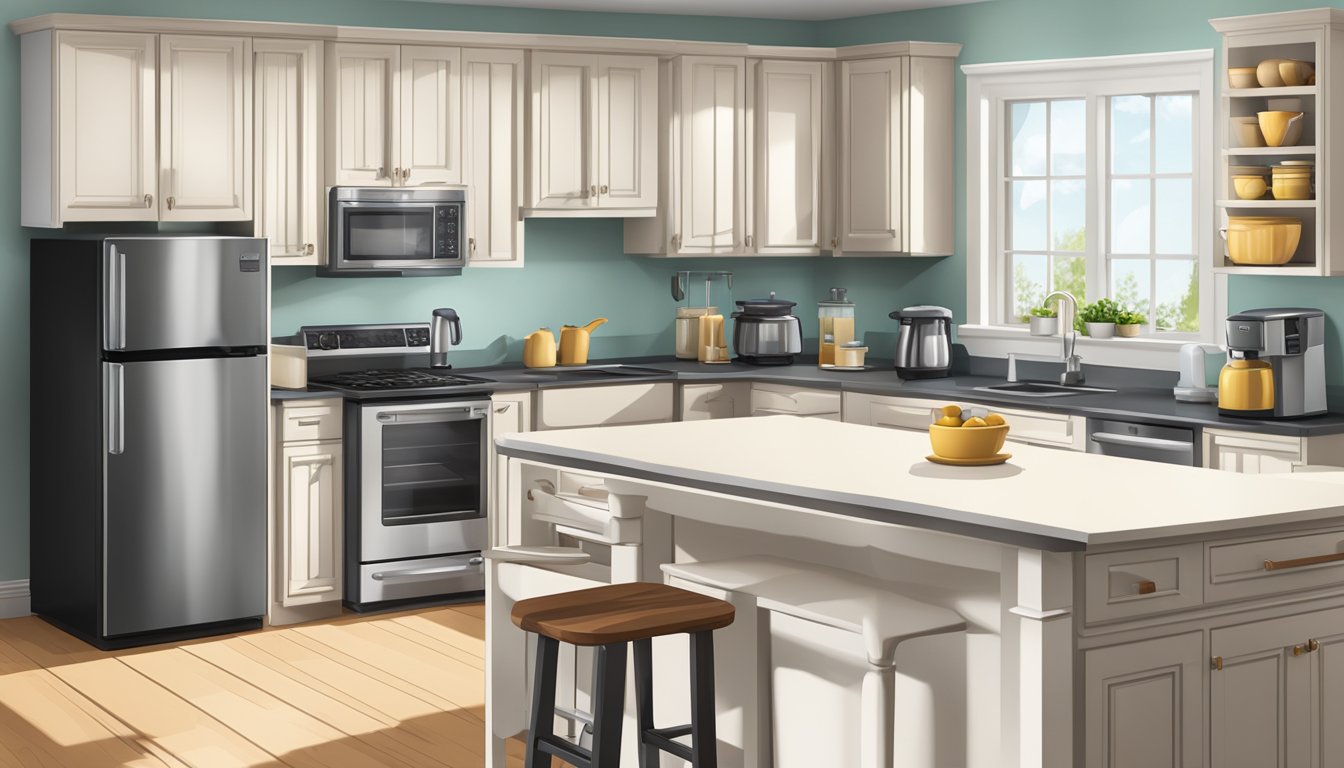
(565, 750)
(662, 738)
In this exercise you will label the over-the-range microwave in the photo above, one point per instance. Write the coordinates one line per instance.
(385, 231)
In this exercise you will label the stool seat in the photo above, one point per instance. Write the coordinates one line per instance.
(620, 613)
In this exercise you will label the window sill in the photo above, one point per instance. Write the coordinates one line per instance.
(1136, 352)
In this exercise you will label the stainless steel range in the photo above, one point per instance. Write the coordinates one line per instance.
(415, 487)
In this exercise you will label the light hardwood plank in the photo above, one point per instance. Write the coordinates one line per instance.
(451, 627)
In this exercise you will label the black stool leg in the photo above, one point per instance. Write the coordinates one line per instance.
(704, 741)
(543, 702)
(648, 753)
(609, 705)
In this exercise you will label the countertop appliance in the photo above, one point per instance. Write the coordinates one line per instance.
(1192, 387)
(149, 460)
(1147, 442)
(445, 331)
(765, 331)
(390, 231)
(415, 488)
(1277, 364)
(924, 346)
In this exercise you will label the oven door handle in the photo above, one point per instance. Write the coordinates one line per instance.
(474, 562)
(464, 413)
(1140, 441)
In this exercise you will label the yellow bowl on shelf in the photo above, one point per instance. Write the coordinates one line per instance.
(1281, 129)
(1246, 131)
(1249, 187)
(1267, 73)
(1242, 77)
(1292, 187)
(1295, 73)
(967, 442)
(1261, 241)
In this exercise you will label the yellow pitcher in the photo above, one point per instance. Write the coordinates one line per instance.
(574, 342)
(539, 349)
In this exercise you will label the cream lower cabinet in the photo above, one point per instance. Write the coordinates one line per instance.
(594, 135)
(1145, 704)
(1255, 454)
(393, 115)
(1043, 428)
(785, 400)
(510, 414)
(306, 535)
(722, 400)
(492, 157)
(287, 149)
(604, 406)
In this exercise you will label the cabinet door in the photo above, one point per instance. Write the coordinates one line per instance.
(493, 156)
(870, 155)
(510, 414)
(715, 401)
(1328, 693)
(1260, 705)
(205, 131)
(287, 89)
(627, 131)
(713, 107)
(107, 141)
(563, 173)
(310, 488)
(1250, 453)
(363, 113)
(430, 151)
(788, 131)
(1145, 704)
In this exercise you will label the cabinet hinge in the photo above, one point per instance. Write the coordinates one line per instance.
(1217, 663)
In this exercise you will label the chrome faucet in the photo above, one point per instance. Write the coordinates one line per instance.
(1068, 347)
(446, 331)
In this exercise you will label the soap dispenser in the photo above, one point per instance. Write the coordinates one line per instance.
(1193, 385)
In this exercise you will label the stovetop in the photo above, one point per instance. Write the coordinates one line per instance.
(380, 379)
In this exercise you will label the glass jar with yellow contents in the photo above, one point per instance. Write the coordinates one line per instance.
(835, 315)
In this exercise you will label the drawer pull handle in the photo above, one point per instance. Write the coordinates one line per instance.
(311, 422)
(1146, 587)
(1216, 663)
(1311, 646)
(1303, 562)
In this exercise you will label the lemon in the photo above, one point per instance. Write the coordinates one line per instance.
(994, 420)
(951, 410)
(949, 421)
(975, 421)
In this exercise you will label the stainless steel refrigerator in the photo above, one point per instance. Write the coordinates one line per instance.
(148, 436)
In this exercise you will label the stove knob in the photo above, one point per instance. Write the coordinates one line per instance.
(327, 341)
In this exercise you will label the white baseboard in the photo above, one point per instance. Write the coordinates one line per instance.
(14, 599)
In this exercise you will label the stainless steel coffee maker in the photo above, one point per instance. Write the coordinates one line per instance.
(924, 347)
(1276, 365)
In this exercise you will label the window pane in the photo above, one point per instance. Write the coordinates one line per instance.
(1131, 283)
(1068, 215)
(1130, 120)
(1027, 134)
(1177, 295)
(1028, 283)
(1175, 137)
(1028, 216)
(1175, 227)
(1068, 138)
(1071, 275)
(1129, 215)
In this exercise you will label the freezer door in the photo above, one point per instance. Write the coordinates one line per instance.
(184, 292)
(184, 515)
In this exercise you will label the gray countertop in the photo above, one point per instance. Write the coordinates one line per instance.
(1144, 402)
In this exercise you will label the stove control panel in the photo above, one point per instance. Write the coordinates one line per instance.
(332, 340)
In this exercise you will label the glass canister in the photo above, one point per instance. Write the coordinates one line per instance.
(688, 330)
(835, 315)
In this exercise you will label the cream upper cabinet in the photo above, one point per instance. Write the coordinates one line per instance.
(89, 132)
(594, 128)
(430, 151)
(896, 155)
(712, 114)
(492, 88)
(787, 135)
(287, 97)
(205, 128)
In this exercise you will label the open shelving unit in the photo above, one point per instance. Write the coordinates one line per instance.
(1315, 36)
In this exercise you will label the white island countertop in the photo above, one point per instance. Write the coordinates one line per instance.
(1043, 498)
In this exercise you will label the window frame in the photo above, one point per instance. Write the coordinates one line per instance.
(989, 88)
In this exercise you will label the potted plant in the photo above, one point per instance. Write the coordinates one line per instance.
(1099, 318)
(1044, 321)
(1129, 323)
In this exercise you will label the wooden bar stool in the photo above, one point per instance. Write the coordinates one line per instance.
(608, 618)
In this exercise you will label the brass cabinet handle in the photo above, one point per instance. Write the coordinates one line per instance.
(149, 200)
(405, 174)
(1216, 663)
(1146, 587)
(1303, 562)
(171, 202)
(1311, 646)
(1298, 650)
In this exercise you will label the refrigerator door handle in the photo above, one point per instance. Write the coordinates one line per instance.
(116, 402)
(116, 298)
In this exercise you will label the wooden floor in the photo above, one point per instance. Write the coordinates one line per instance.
(402, 689)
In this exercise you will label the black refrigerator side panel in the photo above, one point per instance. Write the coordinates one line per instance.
(66, 434)
(353, 488)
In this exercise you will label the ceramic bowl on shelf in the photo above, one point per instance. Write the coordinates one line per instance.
(1249, 187)
(1292, 182)
(967, 442)
(1246, 131)
(1242, 77)
(1261, 241)
(1248, 170)
(1281, 129)
(1295, 73)
(1267, 73)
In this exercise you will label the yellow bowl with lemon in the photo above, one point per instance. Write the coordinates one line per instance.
(973, 438)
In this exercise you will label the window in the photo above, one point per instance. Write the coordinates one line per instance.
(1093, 176)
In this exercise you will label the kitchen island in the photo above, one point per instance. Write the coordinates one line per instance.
(1118, 612)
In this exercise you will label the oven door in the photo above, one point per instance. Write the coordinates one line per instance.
(422, 479)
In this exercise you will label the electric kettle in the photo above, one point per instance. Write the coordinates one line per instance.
(574, 342)
(924, 346)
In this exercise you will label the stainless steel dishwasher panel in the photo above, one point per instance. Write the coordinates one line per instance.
(1146, 442)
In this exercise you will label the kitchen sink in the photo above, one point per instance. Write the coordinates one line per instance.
(1041, 389)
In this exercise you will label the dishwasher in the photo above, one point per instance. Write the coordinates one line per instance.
(1146, 442)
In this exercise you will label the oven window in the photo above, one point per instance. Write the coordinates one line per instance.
(389, 235)
(432, 472)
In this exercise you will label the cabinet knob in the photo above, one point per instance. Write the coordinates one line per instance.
(308, 249)
(1313, 645)
(1216, 663)
(748, 241)
(676, 242)
(1298, 650)
(592, 191)
(405, 174)
(149, 200)
(171, 202)
(471, 244)
(604, 189)
(1146, 587)
(381, 172)
(396, 173)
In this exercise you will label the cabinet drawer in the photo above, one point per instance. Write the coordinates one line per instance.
(1122, 585)
(770, 401)
(914, 415)
(1250, 568)
(604, 406)
(307, 420)
(1039, 428)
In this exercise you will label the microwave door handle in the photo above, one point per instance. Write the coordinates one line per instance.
(474, 563)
